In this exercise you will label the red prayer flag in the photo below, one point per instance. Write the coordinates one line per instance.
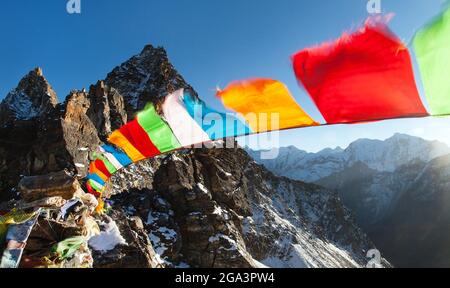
(92, 191)
(364, 76)
(89, 188)
(97, 195)
(102, 167)
(137, 136)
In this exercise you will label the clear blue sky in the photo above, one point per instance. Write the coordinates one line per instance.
(210, 42)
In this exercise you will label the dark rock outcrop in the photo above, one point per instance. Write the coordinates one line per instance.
(137, 253)
(59, 184)
(106, 110)
(31, 133)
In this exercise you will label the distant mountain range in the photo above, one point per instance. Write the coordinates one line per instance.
(398, 189)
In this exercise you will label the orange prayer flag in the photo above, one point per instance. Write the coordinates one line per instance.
(266, 104)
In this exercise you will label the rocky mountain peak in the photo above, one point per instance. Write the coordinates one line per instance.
(146, 77)
(38, 71)
(150, 50)
(32, 98)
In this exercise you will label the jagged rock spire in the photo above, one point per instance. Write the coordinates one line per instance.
(107, 109)
(32, 98)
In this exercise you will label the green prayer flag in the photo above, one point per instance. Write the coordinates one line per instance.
(67, 248)
(432, 49)
(158, 130)
(95, 186)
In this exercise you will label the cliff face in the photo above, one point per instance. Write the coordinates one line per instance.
(200, 208)
(55, 138)
(32, 139)
(106, 110)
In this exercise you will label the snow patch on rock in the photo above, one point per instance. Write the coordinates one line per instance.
(108, 239)
(20, 104)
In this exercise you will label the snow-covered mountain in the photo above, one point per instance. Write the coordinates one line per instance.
(396, 188)
(381, 156)
(291, 162)
(370, 175)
